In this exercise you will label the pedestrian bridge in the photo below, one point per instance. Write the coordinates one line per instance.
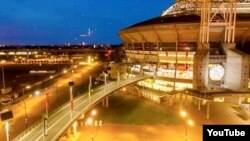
(63, 118)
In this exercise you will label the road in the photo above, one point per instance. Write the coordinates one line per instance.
(35, 105)
(63, 118)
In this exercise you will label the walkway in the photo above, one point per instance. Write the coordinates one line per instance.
(63, 118)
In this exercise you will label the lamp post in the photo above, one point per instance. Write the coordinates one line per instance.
(45, 115)
(47, 102)
(2, 62)
(71, 85)
(105, 82)
(90, 85)
(25, 107)
(72, 75)
(105, 79)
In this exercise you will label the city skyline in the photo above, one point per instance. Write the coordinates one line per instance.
(44, 22)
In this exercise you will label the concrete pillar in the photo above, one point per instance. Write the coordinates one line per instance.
(192, 100)
(196, 101)
(174, 98)
(80, 123)
(186, 100)
(159, 100)
(240, 100)
(118, 76)
(68, 132)
(170, 101)
(180, 101)
(107, 101)
(208, 110)
(103, 102)
(199, 104)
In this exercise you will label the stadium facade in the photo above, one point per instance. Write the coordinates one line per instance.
(194, 43)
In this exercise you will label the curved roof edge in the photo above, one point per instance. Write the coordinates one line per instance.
(180, 18)
(167, 19)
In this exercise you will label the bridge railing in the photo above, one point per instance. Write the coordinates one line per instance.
(94, 99)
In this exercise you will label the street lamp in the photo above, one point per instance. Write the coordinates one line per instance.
(65, 71)
(105, 82)
(183, 114)
(2, 62)
(25, 107)
(93, 112)
(71, 85)
(105, 78)
(37, 92)
(89, 121)
(124, 89)
(90, 85)
(72, 75)
(46, 115)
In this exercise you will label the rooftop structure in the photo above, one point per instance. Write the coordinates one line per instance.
(194, 40)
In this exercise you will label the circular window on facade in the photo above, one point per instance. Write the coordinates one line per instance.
(216, 72)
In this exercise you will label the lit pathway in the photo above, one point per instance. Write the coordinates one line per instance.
(58, 95)
(63, 118)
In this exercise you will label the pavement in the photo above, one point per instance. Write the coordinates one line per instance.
(221, 113)
(35, 105)
(116, 132)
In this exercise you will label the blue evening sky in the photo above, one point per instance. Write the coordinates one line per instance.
(47, 22)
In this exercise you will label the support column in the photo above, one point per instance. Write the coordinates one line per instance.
(208, 110)
(240, 100)
(192, 100)
(74, 126)
(186, 100)
(200, 67)
(68, 132)
(170, 101)
(118, 76)
(159, 100)
(199, 104)
(107, 102)
(174, 99)
(181, 101)
(103, 102)
(80, 123)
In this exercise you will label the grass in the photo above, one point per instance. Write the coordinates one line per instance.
(125, 109)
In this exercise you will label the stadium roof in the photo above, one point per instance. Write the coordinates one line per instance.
(181, 28)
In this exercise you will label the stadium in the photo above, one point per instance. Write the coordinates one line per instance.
(197, 44)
